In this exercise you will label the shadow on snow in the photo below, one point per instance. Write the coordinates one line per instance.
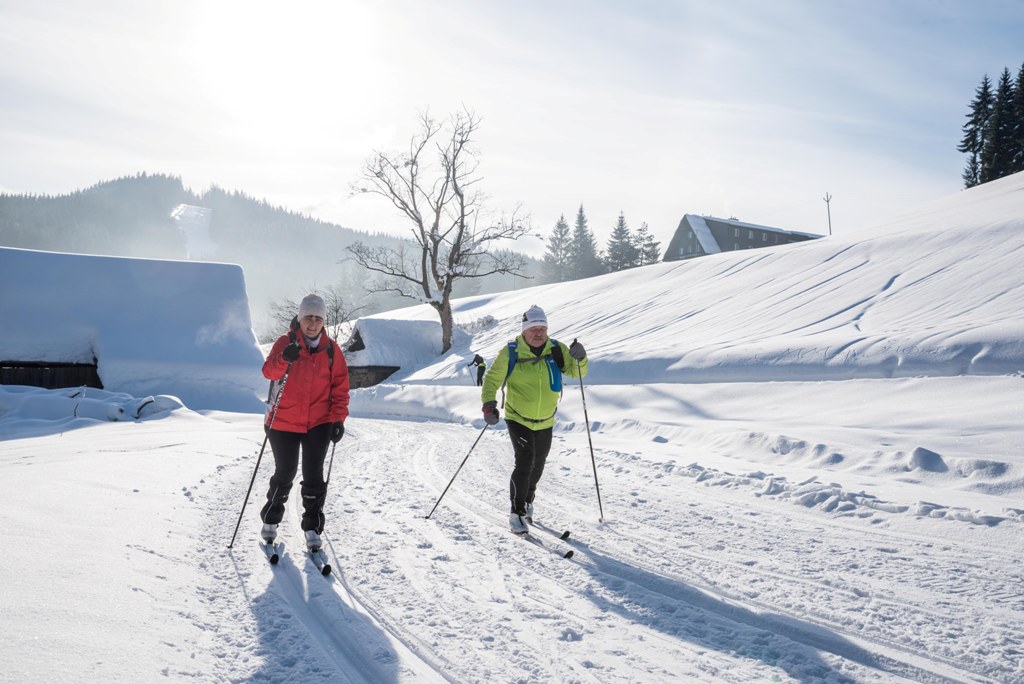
(307, 632)
(684, 612)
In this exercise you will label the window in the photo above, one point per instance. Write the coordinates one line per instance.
(735, 232)
(764, 237)
(750, 235)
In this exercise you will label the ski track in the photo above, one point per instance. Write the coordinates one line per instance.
(298, 624)
(459, 598)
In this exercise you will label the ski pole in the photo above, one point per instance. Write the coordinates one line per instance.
(330, 465)
(456, 472)
(586, 419)
(273, 415)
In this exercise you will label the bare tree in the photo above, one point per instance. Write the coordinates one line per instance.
(339, 314)
(433, 186)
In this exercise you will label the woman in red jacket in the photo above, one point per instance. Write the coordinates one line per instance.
(311, 412)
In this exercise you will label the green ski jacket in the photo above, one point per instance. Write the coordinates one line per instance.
(531, 391)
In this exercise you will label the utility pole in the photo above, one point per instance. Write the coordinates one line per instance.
(828, 208)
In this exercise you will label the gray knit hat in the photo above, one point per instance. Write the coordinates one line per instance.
(312, 305)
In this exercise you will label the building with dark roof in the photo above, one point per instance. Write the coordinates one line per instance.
(700, 235)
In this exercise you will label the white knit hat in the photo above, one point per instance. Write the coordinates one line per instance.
(312, 305)
(533, 317)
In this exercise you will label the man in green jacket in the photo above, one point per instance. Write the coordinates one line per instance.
(533, 390)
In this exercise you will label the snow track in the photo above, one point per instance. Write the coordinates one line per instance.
(307, 627)
(688, 579)
(680, 572)
(694, 578)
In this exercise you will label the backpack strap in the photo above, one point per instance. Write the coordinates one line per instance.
(513, 355)
(557, 364)
(556, 356)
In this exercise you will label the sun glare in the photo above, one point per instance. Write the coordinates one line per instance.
(266, 66)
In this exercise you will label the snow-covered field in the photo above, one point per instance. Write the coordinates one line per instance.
(811, 469)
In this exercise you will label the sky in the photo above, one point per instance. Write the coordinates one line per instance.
(650, 108)
(799, 464)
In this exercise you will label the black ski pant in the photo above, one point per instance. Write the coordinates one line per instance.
(286, 447)
(480, 375)
(531, 449)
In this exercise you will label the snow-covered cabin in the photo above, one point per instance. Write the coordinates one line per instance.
(379, 347)
(700, 235)
(141, 326)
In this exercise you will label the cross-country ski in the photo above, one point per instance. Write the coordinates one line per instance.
(272, 551)
(320, 560)
(537, 541)
(563, 535)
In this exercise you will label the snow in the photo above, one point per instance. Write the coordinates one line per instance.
(703, 233)
(151, 326)
(194, 223)
(403, 343)
(810, 460)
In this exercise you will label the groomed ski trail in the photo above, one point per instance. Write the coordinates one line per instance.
(654, 588)
(681, 572)
(306, 626)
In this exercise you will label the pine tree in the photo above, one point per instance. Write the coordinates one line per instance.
(556, 257)
(584, 260)
(975, 129)
(1017, 130)
(621, 253)
(998, 153)
(648, 249)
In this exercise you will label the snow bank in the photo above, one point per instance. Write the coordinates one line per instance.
(32, 411)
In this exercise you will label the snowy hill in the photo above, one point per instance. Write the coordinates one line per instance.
(810, 459)
(933, 297)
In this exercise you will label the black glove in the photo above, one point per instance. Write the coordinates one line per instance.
(491, 413)
(337, 431)
(291, 352)
(577, 351)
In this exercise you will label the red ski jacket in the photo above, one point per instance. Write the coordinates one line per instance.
(316, 391)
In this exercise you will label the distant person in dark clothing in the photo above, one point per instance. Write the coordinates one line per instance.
(481, 366)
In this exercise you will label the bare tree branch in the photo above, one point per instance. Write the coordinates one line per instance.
(438, 195)
(339, 313)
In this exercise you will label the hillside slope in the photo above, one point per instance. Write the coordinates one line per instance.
(936, 294)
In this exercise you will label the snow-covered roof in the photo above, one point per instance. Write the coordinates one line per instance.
(736, 223)
(703, 233)
(704, 228)
(387, 342)
(151, 326)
